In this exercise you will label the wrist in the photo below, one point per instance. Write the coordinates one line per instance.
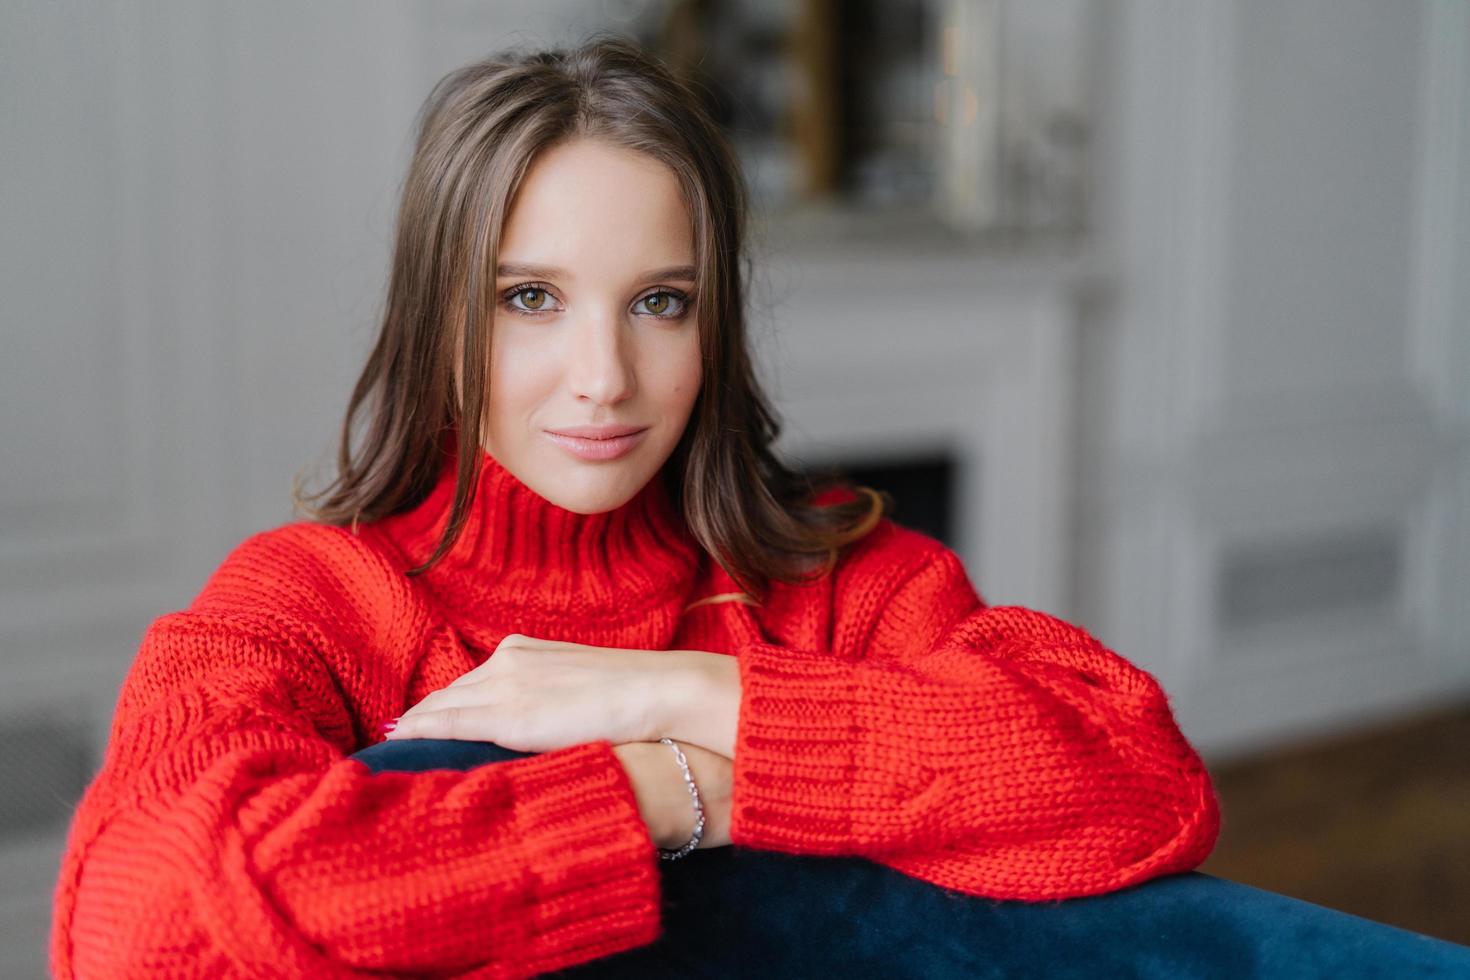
(700, 703)
(671, 819)
(677, 698)
(684, 843)
(658, 785)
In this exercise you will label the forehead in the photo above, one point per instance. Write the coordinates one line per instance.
(594, 208)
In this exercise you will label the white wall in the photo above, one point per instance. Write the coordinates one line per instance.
(1279, 383)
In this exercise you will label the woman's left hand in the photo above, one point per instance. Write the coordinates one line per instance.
(536, 695)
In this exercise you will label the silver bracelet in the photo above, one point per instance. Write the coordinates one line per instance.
(669, 855)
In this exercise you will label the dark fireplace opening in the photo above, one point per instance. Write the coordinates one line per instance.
(922, 487)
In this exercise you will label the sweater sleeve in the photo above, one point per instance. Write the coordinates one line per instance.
(997, 751)
(228, 833)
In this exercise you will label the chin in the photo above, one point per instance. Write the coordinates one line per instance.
(598, 494)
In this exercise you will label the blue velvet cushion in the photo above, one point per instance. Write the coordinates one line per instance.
(736, 912)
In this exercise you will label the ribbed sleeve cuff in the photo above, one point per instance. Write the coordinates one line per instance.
(796, 762)
(596, 884)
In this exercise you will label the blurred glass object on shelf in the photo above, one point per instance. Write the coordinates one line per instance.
(975, 114)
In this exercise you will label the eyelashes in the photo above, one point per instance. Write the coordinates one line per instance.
(535, 299)
(677, 299)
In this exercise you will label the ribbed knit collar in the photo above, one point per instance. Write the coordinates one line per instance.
(520, 551)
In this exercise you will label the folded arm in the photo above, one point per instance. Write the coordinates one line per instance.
(227, 832)
(998, 751)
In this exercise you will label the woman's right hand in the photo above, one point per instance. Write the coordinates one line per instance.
(663, 798)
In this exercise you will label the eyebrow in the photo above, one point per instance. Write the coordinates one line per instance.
(682, 273)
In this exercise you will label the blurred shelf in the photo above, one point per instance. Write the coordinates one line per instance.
(854, 243)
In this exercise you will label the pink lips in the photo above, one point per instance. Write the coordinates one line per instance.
(598, 442)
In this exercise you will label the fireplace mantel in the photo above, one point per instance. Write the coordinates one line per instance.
(880, 352)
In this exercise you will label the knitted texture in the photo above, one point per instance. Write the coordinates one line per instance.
(886, 712)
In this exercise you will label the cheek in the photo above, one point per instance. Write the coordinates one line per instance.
(691, 361)
(684, 371)
(519, 377)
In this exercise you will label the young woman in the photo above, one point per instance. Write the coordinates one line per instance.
(562, 531)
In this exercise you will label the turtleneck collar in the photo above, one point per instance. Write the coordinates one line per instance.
(520, 551)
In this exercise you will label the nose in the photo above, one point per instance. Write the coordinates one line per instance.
(599, 366)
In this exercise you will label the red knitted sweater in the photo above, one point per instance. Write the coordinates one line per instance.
(886, 712)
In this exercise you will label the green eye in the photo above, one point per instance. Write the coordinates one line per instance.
(532, 298)
(659, 303)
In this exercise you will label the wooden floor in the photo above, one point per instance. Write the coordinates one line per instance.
(1377, 824)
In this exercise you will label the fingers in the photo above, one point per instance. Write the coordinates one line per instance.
(460, 714)
(452, 722)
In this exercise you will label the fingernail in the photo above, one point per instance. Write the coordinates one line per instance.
(388, 726)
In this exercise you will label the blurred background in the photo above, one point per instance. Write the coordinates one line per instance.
(1158, 313)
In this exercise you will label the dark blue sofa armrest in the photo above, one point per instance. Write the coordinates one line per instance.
(736, 912)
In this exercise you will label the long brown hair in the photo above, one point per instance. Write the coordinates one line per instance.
(477, 133)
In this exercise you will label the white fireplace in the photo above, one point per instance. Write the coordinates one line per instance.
(897, 350)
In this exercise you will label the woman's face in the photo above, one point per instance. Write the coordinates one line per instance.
(594, 324)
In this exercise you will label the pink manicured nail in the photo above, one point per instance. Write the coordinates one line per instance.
(388, 726)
